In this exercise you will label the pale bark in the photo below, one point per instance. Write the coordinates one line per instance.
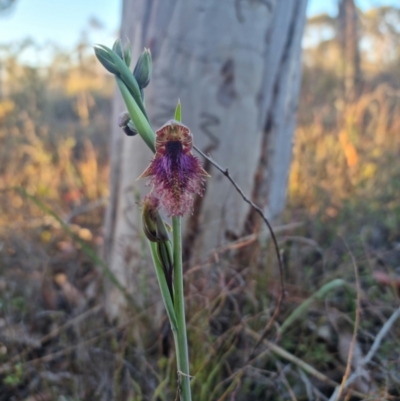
(235, 65)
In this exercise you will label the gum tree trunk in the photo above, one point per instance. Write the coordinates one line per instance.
(235, 65)
(348, 36)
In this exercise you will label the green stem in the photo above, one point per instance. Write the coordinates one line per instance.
(166, 296)
(180, 337)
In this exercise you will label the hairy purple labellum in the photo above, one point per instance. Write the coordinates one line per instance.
(175, 172)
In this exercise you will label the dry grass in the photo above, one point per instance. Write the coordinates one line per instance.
(353, 159)
(55, 341)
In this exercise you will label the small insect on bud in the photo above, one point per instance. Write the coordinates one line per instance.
(125, 122)
(143, 68)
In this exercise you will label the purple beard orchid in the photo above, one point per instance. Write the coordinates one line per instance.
(175, 173)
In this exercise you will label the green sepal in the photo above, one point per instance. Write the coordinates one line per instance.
(124, 73)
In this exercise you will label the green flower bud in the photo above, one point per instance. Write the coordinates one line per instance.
(106, 60)
(118, 49)
(143, 68)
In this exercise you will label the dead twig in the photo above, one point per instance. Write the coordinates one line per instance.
(281, 369)
(297, 361)
(225, 172)
(6, 367)
(376, 344)
(311, 390)
(248, 239)
(54, 333)
(374, 348)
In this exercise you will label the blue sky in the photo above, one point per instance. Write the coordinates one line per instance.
(63, 21)
(330, 6)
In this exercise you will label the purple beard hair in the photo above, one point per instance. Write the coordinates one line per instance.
(176, 177)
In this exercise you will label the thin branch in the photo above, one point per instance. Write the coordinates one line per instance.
(310, 388)
(225, 172)
(382, 333)
(374, 348)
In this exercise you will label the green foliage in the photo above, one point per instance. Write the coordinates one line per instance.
(15, 378)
